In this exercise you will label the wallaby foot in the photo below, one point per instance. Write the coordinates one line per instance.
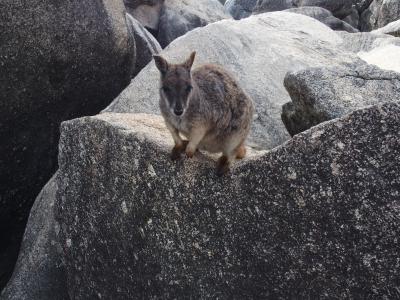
(241, 152)
(190, 152)
(178, 150)
(222, 165)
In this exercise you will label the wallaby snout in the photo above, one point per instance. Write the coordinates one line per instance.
(178, 110)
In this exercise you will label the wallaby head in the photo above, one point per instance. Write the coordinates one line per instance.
(176, 83)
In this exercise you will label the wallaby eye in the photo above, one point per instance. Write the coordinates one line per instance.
(189, 88)
(166, 89)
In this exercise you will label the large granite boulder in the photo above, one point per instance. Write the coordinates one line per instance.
(379, 14)
(146, 43)
(38, 274)
(321, 94)
(324, 16)
(353, 18)
(362, 5)
(339, 8)
(147, 12)
(178, 17)
(240, 9)
(314, 218)
(258, 51)
(365, 41)
(386, 57)
(58, 60)
(392, 28)
(263, 6)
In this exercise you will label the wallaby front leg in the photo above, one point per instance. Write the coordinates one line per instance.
(196, 135)
(180, 145)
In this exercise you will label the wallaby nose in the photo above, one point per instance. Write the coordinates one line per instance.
(178, 111)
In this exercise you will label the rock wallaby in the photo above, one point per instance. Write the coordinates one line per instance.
(206, 106)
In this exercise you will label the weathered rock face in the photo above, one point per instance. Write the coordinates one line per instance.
(52, 69)
(323, 15)
(323, 94)
(147, 12)
(353, 18)
(137, 3)
(339, 8)
(385, 57)
(146, 43)
(316, 217)
(365, 41)
(38, 274)
(263, 6)
(362, 5)
(379, 14)
(240, 9)
(392, 28)
(258, 51)
(178, 17)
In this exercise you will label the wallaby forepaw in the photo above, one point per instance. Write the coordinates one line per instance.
(178, 150)
(175, 154)
(190, 153)
(222, 166)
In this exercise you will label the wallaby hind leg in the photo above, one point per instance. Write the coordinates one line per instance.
(241, 151)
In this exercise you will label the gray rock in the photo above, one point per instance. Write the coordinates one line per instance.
(263, 6)
(137, 3)
(38, 274)
(365, 41)
(392, 28)
(240, 9)
(316, 218)
(339, 8)
(178, 17)
(147, 12)
(315, 12)
(353, 19)
(385, 57)
(379, 14)
(324, 16)
(258, 51)
(362, 5)
(58, 60)
(322, 94)
(146, 44)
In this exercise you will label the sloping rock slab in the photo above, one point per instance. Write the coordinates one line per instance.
(392, 28)
(321, 94)
(38, 274)
(258, 51)
(178, 17)
(365, 41)
(386, 57)
(315, 218)
(325, 16)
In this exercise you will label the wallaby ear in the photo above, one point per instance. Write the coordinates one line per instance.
(161, 63)
(190, 60)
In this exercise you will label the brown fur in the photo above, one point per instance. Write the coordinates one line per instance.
(207, 106)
